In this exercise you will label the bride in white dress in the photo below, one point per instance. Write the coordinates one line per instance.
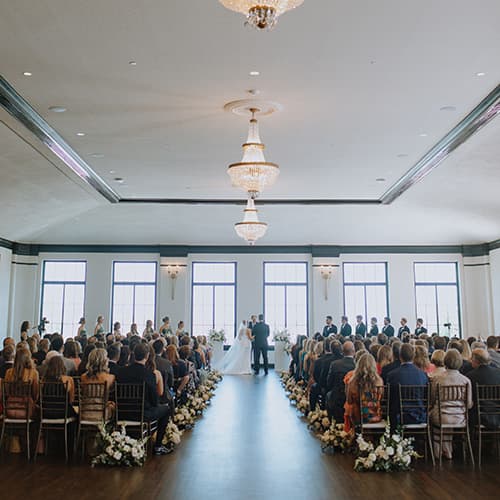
(237, 359)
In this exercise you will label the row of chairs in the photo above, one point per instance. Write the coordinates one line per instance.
(450, 399)
(55, 412)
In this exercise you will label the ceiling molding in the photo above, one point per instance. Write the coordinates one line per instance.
(481, 115)
(6, 244)
(235, 201)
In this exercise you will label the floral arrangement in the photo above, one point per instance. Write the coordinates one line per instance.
(336, 437)
(118, 449)
(318, 420)
(173, 436)
(393, 453)
(216, 336)
(303, 404)
(281, 336)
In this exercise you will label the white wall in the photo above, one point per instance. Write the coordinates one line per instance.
(479, 286)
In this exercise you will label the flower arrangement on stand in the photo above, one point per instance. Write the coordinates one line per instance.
(173, 436)
(393, 453)
(118, 449)
(216, 336)
(318, 420)
(337, 438)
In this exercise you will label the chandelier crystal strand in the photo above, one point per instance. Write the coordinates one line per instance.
(253, 173)
(261, 14)
(250, 229)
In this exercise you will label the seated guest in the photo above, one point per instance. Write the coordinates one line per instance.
(138, 373)
(422, 360)
(384, 358)
(6, 341)
(437, 360)
(57, 344)
(8, 360)
(71, 352)
(43, 349)
(316, 389)
(56, 372)
(492, 345)
(439, 343)
(484, 373)
(151, 366)
(166, 370)
(452, 412)
(124, 356)
(364, 382)
(32, 345)
(466, 364)
(181, 371)
(374, 349)
(85, 358)
(111, 338)
(335, 382)
(114, 351)
(406, 374)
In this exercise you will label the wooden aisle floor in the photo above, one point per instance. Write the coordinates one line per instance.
(250, 444)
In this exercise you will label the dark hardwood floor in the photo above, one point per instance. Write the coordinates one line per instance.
(250, 444)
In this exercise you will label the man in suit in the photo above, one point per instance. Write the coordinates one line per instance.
(153, 410)
(6, 342)
(8, 360)
(373, 328)
(164, 366)
(316, 388)
(260, 333)
(113, 357)
(360, 326)
(396, 363)
(406, 374)
(483, 373)
(252, 322)
(403, 329)
(420, 327)
(492, 346)
(388, 329)
(345, 327)
(335, 386)
(329, 328)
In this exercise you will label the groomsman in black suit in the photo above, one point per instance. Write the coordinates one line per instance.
(329, 328)
(420, 327)
(345, 327)
(403, 329)
(388, 329)
(360, 326)
(373, 328)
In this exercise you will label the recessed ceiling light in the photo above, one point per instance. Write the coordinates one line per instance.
(27, 73)
(80, 134)
(57, 109)
(120, 180)
(254, 73)
(96, 155)
(448, 108)
(132, 63)
(480, 74)
(380, 179)
(402, 155)
(423, 134)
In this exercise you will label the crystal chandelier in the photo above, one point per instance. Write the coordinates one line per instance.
(253, 173)
(261, 14)
(250, 229)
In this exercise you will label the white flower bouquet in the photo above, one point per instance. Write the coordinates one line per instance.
(173, 435)
(303, 404)
(183, 417)
(118, 449)
(318, 420)
(216, 336)
(281, 336)
(336, 437)
(393, 453)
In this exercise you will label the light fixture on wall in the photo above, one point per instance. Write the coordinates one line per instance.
(173, 271)
(261, 14)
(326, 274)
(250, 229)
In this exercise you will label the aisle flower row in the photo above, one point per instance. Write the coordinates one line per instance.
(393, 452)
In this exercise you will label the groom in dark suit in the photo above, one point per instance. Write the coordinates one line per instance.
(260, 332)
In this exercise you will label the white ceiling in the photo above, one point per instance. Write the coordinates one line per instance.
(359, 82)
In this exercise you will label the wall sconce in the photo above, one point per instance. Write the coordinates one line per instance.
(326, 274)
(173, 271)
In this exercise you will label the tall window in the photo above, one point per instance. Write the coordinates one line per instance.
(365, 290)
(214, 298)
(436, 294)
(63, 295)
(285, 297)
(134, 293)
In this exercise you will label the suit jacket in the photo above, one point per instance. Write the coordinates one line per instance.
(406, 374)
(166, 369)
(329, 330)
(420, 330)
(466, 367)
(388, 369)
(373, 330)
(136, 374)
(114, 368)
(402, 330)
(346, 330)
(388, 330)
(361, 329)
(494, 358)
(484, 375)
(260, 331)
(321, 368)
(336, 387)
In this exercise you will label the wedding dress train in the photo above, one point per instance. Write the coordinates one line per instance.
(237, 359)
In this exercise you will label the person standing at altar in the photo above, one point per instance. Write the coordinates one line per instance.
(329, 328)
(420, 327)
(403, 329)
(374, 331)
(252, 322)
(260, 333)
(360, 326)
(345, 327)
(388, 329)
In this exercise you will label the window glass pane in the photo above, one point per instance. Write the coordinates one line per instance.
(448, 310)
(435, 272)
(208, 272)
(74, 297)
(144, 305)
(426, 307)
(291, 272)
(52, 306)
(376, 302)
(274, 306)
(296, 310)
(65, 271)
(354, 302)
(360, 272)
(203, 317)
(224, 311)
(123, 305)
(135, 272)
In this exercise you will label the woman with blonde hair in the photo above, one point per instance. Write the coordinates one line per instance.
(363, 394)
(421, 360)
(466, 350)
(437, 360)
(384, 357)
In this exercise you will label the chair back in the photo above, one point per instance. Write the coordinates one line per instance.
(129, 402)
(452, 398)
(413, 404)
(76, 381)
(93, 399)
(488, 405)
(17, 400)
(379, 398)
(54, 400)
